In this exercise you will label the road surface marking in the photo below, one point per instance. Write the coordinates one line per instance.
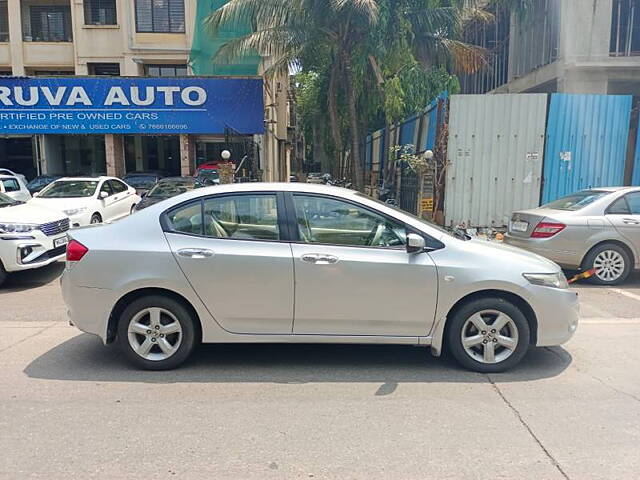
(609, 320)
(626, 294)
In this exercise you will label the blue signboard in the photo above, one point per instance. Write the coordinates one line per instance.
(130, 105)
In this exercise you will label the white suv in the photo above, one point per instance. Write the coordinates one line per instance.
(30, 236)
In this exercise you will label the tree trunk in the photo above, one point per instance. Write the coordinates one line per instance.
(334, 118)
(353, 124)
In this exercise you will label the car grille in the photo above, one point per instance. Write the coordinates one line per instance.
(54, 228)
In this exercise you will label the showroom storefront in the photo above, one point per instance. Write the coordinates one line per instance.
(82, 125)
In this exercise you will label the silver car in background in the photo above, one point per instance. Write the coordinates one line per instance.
(593, 229)
(307, 264)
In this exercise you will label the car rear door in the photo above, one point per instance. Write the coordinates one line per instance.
(624, 214)
(353, 273)
(234, 252)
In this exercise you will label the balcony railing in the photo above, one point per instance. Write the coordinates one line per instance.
(625, 28)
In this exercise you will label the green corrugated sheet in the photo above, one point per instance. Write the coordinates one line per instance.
(205, 46)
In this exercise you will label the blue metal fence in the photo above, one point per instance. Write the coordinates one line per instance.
(636, 162)
(586, 143)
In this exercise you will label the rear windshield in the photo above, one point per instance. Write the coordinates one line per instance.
(576, 201)
(70, 189)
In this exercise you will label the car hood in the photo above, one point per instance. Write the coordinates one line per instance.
(29, 213)
(61, 204)
(502, 253)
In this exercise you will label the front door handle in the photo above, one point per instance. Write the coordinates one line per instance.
(630, 221)
(195, 252)
(319, 259)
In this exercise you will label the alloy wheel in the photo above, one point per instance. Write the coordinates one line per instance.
(489, 336)
(609, 265)
(155, 333)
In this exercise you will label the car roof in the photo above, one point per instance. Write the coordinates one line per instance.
(88, 179)
(613, 189)
(7, 176)
(178, 179)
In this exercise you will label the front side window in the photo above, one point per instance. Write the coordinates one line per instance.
(160, 16)
(106, 188)
(330, 221)
(633, 199)
(10, 185)
(243, 217)
(100, 12)
(70, 189)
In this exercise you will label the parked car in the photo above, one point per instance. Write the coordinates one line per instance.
(208, 177)
(592, 229)
(142, 181)
(20, 176)
(30, 236)
(207, 166)
(87, 200)
(38, 183)
(316, 177)
(238, 262)
(12, 187)
(167, 188)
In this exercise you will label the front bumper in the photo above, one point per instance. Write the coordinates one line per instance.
(557, 312)
(545, 248)
(29, 251)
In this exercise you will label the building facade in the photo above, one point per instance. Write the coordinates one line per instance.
(130, 38)
(567, 46)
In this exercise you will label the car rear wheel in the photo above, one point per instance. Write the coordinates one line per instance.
(156, 333)
(488, 335)
(611, 262)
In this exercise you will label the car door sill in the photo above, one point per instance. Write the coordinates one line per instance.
(310, 338)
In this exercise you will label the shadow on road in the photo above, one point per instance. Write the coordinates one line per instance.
(84, 358)
(28, 279)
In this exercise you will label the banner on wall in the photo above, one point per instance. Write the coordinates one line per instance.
(131, 105)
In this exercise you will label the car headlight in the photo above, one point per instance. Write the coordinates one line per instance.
(553, 280)
(17, 227)
(74, 211)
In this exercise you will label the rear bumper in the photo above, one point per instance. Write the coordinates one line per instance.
(545, 247)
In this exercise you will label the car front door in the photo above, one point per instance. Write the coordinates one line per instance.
(121, 198)
(233, 252)
(109, 207)
(624, 214)
(354, 275)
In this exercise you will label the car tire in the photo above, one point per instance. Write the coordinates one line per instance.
(613, 273)
(474, 354)
(165, 351)
(96, 218)
(3, 274)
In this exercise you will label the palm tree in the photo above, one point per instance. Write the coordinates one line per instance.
(347, 35)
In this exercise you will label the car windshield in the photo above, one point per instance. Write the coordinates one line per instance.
(576, 201)
(397, 209)
(170, 189)
(141, 181)
(6, 201)
(70, 189)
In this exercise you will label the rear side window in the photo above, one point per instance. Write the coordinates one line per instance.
(10, 185)
(242, 217)
(186, 219)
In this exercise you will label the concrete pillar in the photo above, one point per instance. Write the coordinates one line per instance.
(138, 153)
(187, 155)
(114, 150)
(15, 37)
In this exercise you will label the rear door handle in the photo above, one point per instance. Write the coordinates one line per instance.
(195, 252)
(631, 221)
(319, 259)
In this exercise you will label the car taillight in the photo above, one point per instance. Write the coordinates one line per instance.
(547, 229)
(75, 251)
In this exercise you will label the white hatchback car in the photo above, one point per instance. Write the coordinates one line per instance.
(87, 200)
(30, 236)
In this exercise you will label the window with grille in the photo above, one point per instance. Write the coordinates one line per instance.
(100, 12)
(4, 22)
(107, 69)
(165, 70)
(160, 16)
(47, 23)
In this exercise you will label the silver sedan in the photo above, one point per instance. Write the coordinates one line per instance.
(593, 229)
(307, 264)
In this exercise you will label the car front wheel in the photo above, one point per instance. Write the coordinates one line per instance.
(488, 335)
(156, 333)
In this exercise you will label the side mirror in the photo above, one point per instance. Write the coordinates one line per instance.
(103, 195)
(415, 243)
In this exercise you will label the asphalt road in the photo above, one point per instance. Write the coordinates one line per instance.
(71, 408)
